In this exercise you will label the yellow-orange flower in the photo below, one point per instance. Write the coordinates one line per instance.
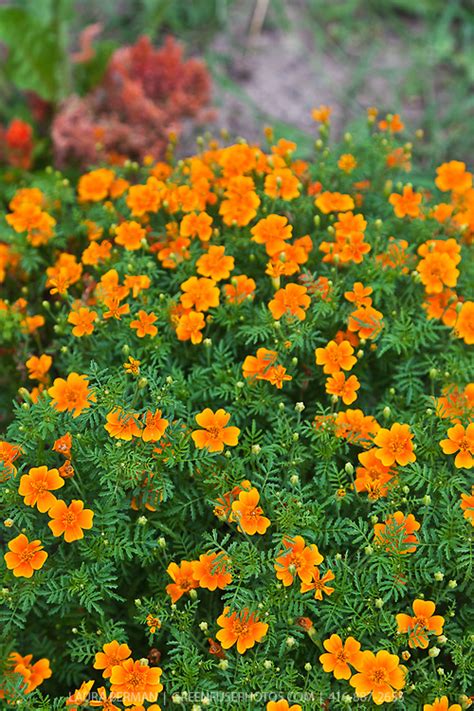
(38, 367)
(83, 321)
(318, 584)
(297, 560)
(212, 571)
(36, 487)
(143, 324)
(397, 534)
(199, 293)
(130, 235)
(378, 674)
(340, 386)
(406, 204)
(453, 176)
(183, 579)
(248, 514)
(71, 395)
(339, 656)
(282, 705)
(70, 520)
(215, 264)
(122, 425)
(335, 356)
(460, 440)
(464, 326)
(135, 682)
(113, 654)
(292, 300)
(244, 629)
(24, 557)
(214, 433)
(395, 445)
(422, 622)
(190, 327)
(441, 704)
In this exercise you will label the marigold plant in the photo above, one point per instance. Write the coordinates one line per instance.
(235, 474)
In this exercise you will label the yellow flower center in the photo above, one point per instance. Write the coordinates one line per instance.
(378, 676)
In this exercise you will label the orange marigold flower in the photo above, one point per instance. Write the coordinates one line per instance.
(130, 235)
(113, 654)
(33, 674)
(211, 571)
(372, 476)
(259, 365)
(394, 124)
(360, 295)
(63, 445)
(467, 505)
(137, 284)
(214, 433)
(422, 622)
(282, 705)
(395, 445)
(8, 454)
(248, 514)
(144, 324)
(183, 580)
(398, 533)
(453, 176)
(122, 425)
(215, 264)
(71, 395)
(334, 202)
(196, 225)
(443, 306)
(243, 628)
(318, 584)
(272, 231)
(155, 426)
(380, 675)
(94, 186)
(297, 560)
(464, 326)
(80, 695)
(292, 300)
(240, 288)
(276, 375)
(436, 271)
(199, 293)
(408, 203)
(83, 320)
(339, 655)
(24, 556)
(441, 704)
(36, 487)
(38, 367)
(190, 326)
(322, 114)
(240, 205)
(347, 162)
(70, 520)
(338, 386)
(282, 184)
(135, 682)
(460, 440)
(145, 198)
(366, 321)
(335, 356)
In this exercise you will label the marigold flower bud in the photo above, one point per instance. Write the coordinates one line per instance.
(439, 575)
(349, 468)
(452, 584)
(8, 522)
(434, 651)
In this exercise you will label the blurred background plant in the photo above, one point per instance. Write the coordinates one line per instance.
(271, 61)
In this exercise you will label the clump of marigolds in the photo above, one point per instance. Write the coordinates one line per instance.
(238, 458)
